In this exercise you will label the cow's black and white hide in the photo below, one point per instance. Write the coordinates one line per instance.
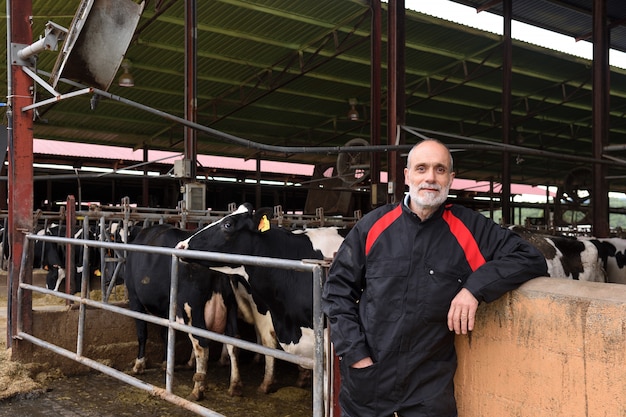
(262, 322)
(114, 265)
(205, 300)
(612, 253)
(51, 256)
(286, 294)
(567, 257)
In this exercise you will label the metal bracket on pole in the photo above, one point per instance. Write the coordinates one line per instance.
(15, 52)
(22, 54)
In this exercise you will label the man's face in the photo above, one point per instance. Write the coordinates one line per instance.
(428, 175)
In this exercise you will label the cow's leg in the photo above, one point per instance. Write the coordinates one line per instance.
(236, 387)
(60, 276)
(141, 327)
(164, 333)
(142, 337)
(201, 354)
(265, 332)
(304, 377)
(224, 356)
(192, 360)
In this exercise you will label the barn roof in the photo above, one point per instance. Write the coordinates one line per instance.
(281, 72)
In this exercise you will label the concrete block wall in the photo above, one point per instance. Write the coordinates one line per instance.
(553, 347)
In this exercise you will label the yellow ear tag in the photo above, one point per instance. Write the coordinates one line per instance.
(264, 224)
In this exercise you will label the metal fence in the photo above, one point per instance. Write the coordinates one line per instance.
(317, 363)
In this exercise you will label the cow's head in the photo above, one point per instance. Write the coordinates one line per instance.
(230, 234)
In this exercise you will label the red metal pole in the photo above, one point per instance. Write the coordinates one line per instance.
(395, 94)
(20, 170)
(375, 98)
(600, 116)
(191, 89)
(507, 71)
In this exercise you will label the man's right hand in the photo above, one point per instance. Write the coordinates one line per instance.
(363, 363)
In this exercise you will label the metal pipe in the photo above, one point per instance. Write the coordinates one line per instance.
(137, 383)
(318, 331)
(21, 308)
(103, 237)
(171, 333)
(216, 134)
(333, 149)
(84, 290)
(495, 146)
(211, 256)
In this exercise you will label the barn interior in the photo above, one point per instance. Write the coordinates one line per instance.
(316, 84)
(341, 87)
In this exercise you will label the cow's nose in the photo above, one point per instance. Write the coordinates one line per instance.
(182, 245)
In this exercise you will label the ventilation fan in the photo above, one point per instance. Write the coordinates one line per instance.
(577, 186)
(354, 167)
(573, 200)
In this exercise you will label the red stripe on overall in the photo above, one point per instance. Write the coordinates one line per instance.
(465, 238)
(380, 225)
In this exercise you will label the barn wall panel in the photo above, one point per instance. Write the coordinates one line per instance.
(554, 347)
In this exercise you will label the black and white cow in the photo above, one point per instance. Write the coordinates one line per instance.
(612, 253)
(51, 256)
(567, 257)
(286, 294)
(205, 300)
(114, 260)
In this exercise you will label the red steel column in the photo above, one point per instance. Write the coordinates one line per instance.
(600, 115)
(191, 89)
(375, 97)
(20, 171)
(396, 94)
(507, 73)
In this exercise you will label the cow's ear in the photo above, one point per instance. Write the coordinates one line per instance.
(262, 218)
(264, 224)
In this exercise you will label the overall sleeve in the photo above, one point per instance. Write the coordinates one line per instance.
(510, 260)
(340, 298)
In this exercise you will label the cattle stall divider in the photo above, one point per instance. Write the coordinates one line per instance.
(318, 363)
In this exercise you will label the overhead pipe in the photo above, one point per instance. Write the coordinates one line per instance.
(288, 150)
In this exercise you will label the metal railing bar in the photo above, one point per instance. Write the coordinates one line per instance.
(171, 333)
(288, 357)
(186, 253)
(152, 389)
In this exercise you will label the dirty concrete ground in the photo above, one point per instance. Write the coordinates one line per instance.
(98, 395)
(95, 394)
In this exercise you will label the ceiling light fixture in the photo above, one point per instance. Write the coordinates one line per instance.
(353, 114)
(126, 79)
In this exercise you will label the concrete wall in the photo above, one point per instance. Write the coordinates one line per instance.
(554, 347)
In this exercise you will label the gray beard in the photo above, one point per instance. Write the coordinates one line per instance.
(429, 201)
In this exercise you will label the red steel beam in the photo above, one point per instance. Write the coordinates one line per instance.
(20, 171)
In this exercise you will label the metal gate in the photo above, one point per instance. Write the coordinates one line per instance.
(320, 406)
